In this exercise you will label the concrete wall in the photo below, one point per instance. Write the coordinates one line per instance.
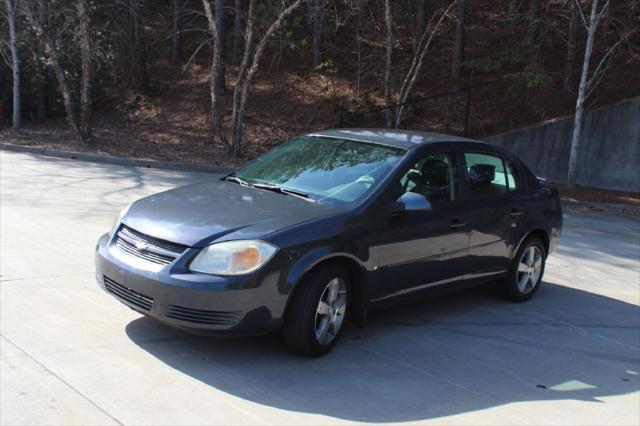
(609, 155)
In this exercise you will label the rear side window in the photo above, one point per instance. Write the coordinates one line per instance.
(490, 175)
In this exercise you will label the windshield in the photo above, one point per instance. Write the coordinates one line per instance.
(327, 170)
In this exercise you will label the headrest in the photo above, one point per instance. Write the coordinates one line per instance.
(434, 167)
(482, 174)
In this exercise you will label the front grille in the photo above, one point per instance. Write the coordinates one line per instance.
(202, 317)
(128, 295)
(148, 248)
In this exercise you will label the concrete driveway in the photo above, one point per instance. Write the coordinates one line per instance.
(71, 354)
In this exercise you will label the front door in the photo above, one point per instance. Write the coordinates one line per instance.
(424, 248)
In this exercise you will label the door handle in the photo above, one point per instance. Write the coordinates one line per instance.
(515, 212)
(457, 223)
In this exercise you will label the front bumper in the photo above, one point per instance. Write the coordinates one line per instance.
(201, 303)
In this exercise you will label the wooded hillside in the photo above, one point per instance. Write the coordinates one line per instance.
(222, 80)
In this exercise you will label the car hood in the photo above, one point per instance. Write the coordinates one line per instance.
(198, 214)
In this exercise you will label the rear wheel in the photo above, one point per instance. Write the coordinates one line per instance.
(525, 274)
(317, 311)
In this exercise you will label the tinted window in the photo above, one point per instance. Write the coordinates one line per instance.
(488, 174)
(435, 177)
(329, 170)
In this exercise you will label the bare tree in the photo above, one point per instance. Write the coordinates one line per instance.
(587, 84)
(216, 118)
(219, 28)
(236, 122)
(176, 28)
(84, 25)
(418, 61)
(41, 71)
(458, 42)
(237, 31)
(139, 50)
(421, 22)
(50, 48)
(533, 23)
(567, 83)
(244, 85)
(15, 60)
(388, 20)
(318, 28)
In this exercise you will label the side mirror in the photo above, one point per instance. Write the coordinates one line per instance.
(410, 201)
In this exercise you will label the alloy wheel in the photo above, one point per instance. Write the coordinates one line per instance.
(331, 310)
(529, 269)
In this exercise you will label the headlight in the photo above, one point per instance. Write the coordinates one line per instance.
(115, 225)
(233, 257)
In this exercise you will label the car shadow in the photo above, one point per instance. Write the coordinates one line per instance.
(443, 356)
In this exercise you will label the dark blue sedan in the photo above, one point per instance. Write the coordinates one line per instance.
(329, 225)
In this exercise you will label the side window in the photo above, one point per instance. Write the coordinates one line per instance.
(489, 175)
(435, 177)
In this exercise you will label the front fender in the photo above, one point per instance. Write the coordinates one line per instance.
(312, 258)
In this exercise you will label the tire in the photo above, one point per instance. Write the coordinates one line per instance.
(525, 276)
(307, 318)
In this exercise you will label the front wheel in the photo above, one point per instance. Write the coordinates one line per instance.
(317, 311)
(525, 274)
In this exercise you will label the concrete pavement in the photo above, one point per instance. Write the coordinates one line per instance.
(71, 354)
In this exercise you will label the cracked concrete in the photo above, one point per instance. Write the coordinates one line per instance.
(71, 354)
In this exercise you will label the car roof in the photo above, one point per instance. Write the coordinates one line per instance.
(405, 139)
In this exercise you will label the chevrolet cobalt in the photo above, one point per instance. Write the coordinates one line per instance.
(329, 225)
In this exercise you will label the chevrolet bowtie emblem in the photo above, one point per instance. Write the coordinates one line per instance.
(141, 245)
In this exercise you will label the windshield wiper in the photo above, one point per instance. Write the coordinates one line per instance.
(284, 191)
(237, 180)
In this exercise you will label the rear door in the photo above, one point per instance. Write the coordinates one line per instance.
(495, 211)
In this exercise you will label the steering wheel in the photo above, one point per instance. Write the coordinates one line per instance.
(415, 177)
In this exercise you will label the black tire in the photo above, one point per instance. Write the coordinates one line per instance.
(509, 285)
(299, 330)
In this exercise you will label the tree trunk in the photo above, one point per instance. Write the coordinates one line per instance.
(582, 90)
(176, 28)
(238, 109)
(84, 25)
(533, 23)
(458, 49)
(421, 23)
(52, 52)
(139, 54)
(15, 61)
(416, 66)
(41, 73)
(216, 119)
(567, 84)
(219, 27)
(358, 52)
(237, 31)
(388, 20)
(318, 28)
